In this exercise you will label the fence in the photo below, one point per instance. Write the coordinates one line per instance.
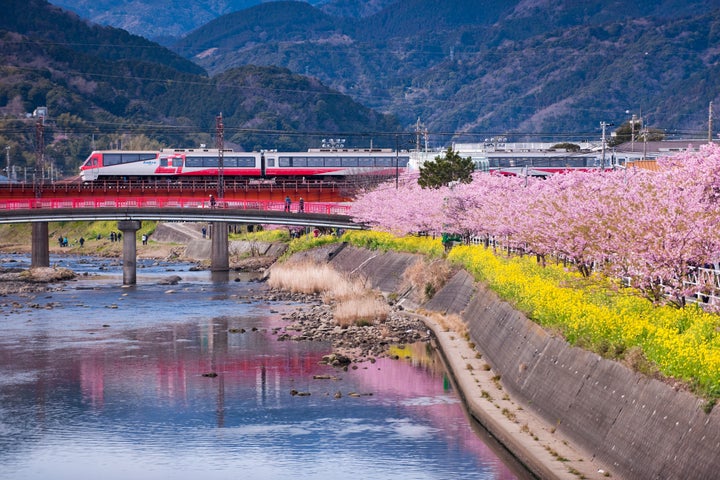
(167, 202)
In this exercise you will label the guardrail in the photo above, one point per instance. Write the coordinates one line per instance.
(169, 202)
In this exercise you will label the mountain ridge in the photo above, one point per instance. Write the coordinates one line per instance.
(512, 68)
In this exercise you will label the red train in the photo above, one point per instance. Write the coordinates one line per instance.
(204, 163)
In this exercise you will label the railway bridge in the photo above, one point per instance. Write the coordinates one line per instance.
(129, 212)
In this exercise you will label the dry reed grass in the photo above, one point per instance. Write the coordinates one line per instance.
(304, 277)
(354, 302)
(366, 310)
(428, 276)
(449, 323)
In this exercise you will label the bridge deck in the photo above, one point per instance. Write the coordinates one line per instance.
(231, 215)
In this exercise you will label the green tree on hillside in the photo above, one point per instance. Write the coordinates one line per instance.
(445, 170)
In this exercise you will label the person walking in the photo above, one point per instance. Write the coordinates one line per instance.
(288, 202)
(301, 205)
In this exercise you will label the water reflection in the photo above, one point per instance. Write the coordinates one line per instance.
(140, 383)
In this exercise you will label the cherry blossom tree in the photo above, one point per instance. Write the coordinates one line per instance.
(652, 228)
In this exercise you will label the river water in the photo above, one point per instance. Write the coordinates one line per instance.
(189, 381)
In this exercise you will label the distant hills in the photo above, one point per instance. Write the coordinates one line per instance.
(518, 68)
(165, 22)
(104, 87)
(523, 69)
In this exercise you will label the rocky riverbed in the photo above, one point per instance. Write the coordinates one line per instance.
(14, 280)
(313, 320)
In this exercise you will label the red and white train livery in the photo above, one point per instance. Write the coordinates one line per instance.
(204, 163)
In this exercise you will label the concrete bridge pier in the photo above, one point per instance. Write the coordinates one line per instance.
(219, 257)
(40, 253)
(129, 230)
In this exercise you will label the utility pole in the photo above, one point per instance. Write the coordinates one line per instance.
(7, 157)
(397, 161)
(602, 162)
(40, 156)
(710, 113)
(220, 146)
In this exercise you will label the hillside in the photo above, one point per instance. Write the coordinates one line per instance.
(518, 68)
(165, 22)
(104, 87)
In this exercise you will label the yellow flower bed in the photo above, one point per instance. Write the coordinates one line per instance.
(683, 343)
(275, 235)
(432, 247)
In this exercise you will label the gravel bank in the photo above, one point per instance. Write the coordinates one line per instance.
(313, 320)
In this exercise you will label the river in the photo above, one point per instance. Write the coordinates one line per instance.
(189, 381)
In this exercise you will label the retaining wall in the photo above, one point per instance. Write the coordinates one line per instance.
(642, 427)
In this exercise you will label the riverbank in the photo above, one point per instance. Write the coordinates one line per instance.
(538, 444)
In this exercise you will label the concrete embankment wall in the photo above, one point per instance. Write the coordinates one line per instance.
(643, 428)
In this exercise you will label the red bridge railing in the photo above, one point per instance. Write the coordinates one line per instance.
(169, 202)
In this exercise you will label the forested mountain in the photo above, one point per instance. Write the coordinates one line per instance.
(519, 68)
(103, 86)
(166, 21)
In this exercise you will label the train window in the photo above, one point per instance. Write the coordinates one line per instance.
(230, 161)
(245, 161)
(404, 161)
(333, 161)
(141, 156)
(315, 162)
(270, 162)
(209, 161)
(193, 162)
(350, 162)
(299, 161)
(177, 162)
(285, 161)
(112, 159)
(384, 162)
(481, 164)
(118, 158)
(365, 162)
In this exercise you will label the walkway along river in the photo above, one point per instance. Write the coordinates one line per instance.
(191, 380)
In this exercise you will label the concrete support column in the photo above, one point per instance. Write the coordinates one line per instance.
(40, 254)
(129, 230)
(219, 257)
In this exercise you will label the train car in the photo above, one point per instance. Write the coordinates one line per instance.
(336, 163)
(538, 164)
(205, 163)
(119, 164)
(179, 164)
